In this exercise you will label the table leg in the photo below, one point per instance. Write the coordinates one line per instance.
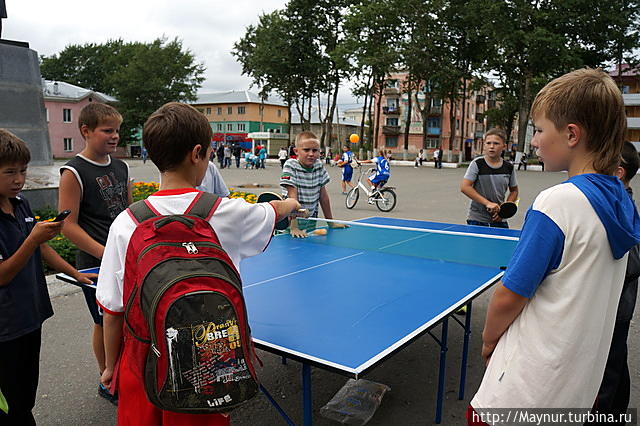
(284, 361)
(276, 406)
(306, 386)
(441, 374)
(465, 351)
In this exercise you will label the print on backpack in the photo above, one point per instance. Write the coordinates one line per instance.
(186, 311)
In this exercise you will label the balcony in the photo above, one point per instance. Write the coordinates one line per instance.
(433, 131)
(436, 110)
(391, 130)
(391, 110)
(391, 91)
(480, 117)
(479, 134)
(480, 99)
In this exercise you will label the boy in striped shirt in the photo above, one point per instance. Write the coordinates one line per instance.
(305, 178)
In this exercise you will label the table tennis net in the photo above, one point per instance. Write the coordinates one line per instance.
(445, 245)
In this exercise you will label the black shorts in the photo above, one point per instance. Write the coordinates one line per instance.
(83, 261)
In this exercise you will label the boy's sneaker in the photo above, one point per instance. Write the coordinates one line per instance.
(104, 392)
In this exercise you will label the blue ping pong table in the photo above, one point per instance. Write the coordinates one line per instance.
(349, 300)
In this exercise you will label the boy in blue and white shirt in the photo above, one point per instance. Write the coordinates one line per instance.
(347, 169)
(550, 321)
(383, 171)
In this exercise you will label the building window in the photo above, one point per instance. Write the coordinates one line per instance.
(392, 121)
(457, 124)
(241, 127)
(432, 143)
(279, 113)
(241, 110)
(229, 110)
(219, 110)
(229, 127)
(220, 127)
(208, 111)
(66, 115)
(391, 141)
(200, 110)
(68, 144)
(626, 90)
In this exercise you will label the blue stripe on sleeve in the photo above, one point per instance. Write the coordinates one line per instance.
(538, 252)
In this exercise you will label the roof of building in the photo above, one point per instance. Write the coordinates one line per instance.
(59, 90)
(338, 117)
(235, 97)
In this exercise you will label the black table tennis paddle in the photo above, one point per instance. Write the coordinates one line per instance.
(265, 197)
(507, 209)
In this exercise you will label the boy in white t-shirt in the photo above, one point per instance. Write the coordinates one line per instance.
(550, 321)
(178, 139)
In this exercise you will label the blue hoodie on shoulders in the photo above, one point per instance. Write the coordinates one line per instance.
(614, 207)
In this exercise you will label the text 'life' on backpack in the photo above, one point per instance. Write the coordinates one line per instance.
(186, 311)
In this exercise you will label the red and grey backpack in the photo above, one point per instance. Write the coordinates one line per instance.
(188, 331)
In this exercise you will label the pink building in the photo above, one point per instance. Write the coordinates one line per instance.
(63, 102)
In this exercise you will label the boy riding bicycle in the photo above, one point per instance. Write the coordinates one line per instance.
(382, 174)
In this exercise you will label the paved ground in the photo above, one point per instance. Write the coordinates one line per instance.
(68, 378)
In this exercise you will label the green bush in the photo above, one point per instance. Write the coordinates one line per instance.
(65, 248)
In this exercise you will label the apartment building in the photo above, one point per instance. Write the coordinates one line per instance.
(628, 79)
(469, 127)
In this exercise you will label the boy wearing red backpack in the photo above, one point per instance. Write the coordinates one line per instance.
(177, 138)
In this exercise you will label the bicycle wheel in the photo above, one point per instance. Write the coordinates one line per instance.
(352, 198)
(386, 201)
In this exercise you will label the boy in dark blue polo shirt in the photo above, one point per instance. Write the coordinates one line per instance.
(24, 299)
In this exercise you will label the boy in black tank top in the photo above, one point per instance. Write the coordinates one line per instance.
(95, 187)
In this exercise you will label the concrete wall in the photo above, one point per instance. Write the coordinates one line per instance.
(22, 104)
(42, 197)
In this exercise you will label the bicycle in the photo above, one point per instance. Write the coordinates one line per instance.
(383, 198)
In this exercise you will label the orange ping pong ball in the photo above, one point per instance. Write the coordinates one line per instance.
(321, 231)
(354, 138)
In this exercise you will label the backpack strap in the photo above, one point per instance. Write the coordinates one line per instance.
(204, 205)
(142, 210)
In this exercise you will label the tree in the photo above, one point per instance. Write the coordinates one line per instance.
(539, 40)
(142, 76)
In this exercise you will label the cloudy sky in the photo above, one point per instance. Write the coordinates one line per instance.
(207, 28)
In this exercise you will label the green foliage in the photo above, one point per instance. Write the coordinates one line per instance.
(65, 248)
(142, 76)
(309, 46)
(45, 213)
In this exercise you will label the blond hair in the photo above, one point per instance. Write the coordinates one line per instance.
(303, 136)
(590, 99)
(95, 113)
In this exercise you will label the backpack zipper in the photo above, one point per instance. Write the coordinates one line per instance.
(192, 248)
(160, 293)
